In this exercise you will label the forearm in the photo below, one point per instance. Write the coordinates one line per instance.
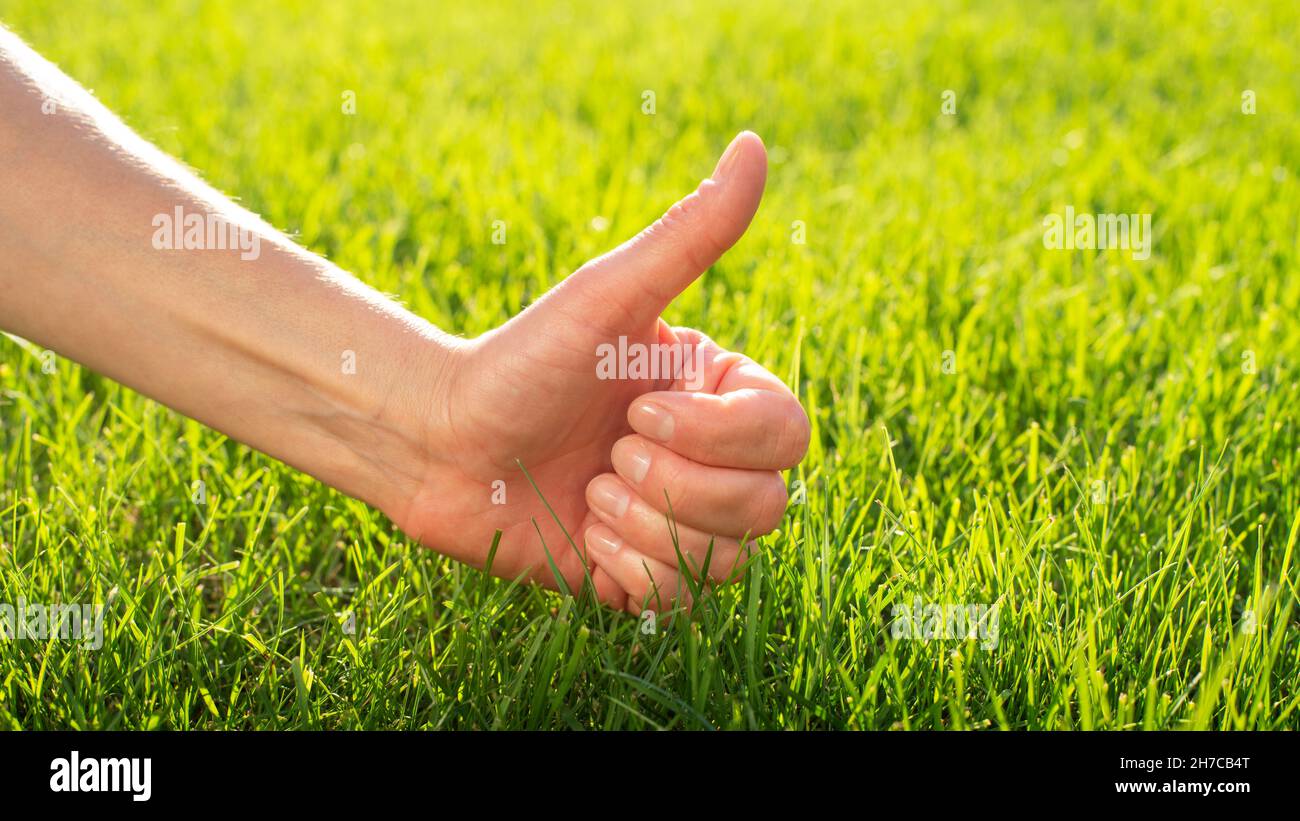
(263, 341)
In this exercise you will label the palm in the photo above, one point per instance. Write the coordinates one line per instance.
(535, 402)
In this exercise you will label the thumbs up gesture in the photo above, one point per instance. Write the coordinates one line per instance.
(643, 439)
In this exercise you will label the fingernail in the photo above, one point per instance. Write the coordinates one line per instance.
(603, 542)
(728, 160)
(640, 465)
(610, 497)
(631, 459)
(652, 421)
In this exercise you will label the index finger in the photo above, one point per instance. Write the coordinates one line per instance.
(745, 417)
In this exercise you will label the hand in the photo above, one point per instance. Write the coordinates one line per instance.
(609, 455)
(288, 353)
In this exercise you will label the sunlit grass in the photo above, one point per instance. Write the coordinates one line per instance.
(1112, 458)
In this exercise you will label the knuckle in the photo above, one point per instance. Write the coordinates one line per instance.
(713, 451)
(771, 504)
(661, 594)
(670, 483)
(688, 222)
(796, 433)
(732, 569)
(683, 210)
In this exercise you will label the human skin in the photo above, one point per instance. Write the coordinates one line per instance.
(433, 430)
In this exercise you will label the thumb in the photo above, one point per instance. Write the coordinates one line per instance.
(643, 275)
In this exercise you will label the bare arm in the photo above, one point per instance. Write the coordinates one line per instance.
(263, 340)
(229, 322)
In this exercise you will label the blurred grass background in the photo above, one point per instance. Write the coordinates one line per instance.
(1101, 463)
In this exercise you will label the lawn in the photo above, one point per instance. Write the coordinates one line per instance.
(1096, 452)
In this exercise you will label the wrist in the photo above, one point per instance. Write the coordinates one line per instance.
(395, 403)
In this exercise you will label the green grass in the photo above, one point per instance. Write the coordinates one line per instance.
(1102, 464)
